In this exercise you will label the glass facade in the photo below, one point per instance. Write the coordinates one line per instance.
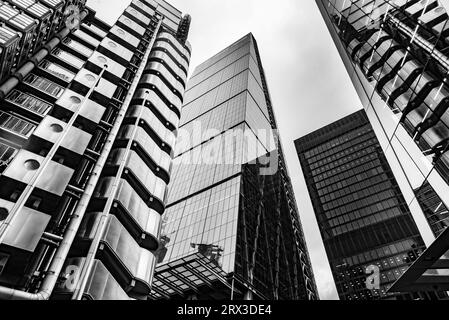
(396, 53)
(219, 204)
(436, 212)
(363, 217)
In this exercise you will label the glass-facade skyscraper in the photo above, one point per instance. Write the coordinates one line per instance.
(88, 122)
(231, 229)
(396, 53)
(364, 220)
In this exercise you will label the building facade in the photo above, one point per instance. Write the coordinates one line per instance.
(364, 220)
(436, 212)
(88, 122)
(231, 230)
(396, 53)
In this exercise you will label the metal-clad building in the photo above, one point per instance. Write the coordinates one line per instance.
(87, 128)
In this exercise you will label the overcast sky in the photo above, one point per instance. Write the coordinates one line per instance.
(308, 82)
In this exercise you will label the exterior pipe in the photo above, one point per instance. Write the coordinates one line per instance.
(16, 78)
(30, 187)
(87, 266)
(436, 54)
(58, 260)
(52, 237)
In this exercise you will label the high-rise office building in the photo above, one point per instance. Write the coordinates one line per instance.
(364, 220)
(231, 229)
(396, 53)
(88, 118)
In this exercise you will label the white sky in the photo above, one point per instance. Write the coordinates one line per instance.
(308, 82)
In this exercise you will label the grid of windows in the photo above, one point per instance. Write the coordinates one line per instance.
(404, 69)
(362, 215)
(212, 162)
(209, 218)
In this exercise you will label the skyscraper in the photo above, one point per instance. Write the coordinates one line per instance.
(364, 220)
(231, 229)
(396, 53)
(87, 128)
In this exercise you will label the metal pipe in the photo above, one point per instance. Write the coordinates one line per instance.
(60, 256)
(47, 160)
(426, 45)
(87, 266)
(52, 237)
(50, 243)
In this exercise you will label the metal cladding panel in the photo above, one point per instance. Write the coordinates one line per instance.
(51, 129)
(84, 36)
(89, 79)
(133, 25)
(113, 67)
(8, 36)
(90, 110)
(54, 179)
(117, 49)
(101, 284)
(26, 229)
(126, 36)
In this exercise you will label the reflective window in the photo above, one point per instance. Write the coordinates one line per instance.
(29, 102)
(15, 124)
(44, 85)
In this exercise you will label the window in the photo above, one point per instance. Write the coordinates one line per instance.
(3, 261)
(57, 71)
(44, 85)
(69, 58)
(15, 124)
(78, 47)
(7, 153)
(28, 102)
